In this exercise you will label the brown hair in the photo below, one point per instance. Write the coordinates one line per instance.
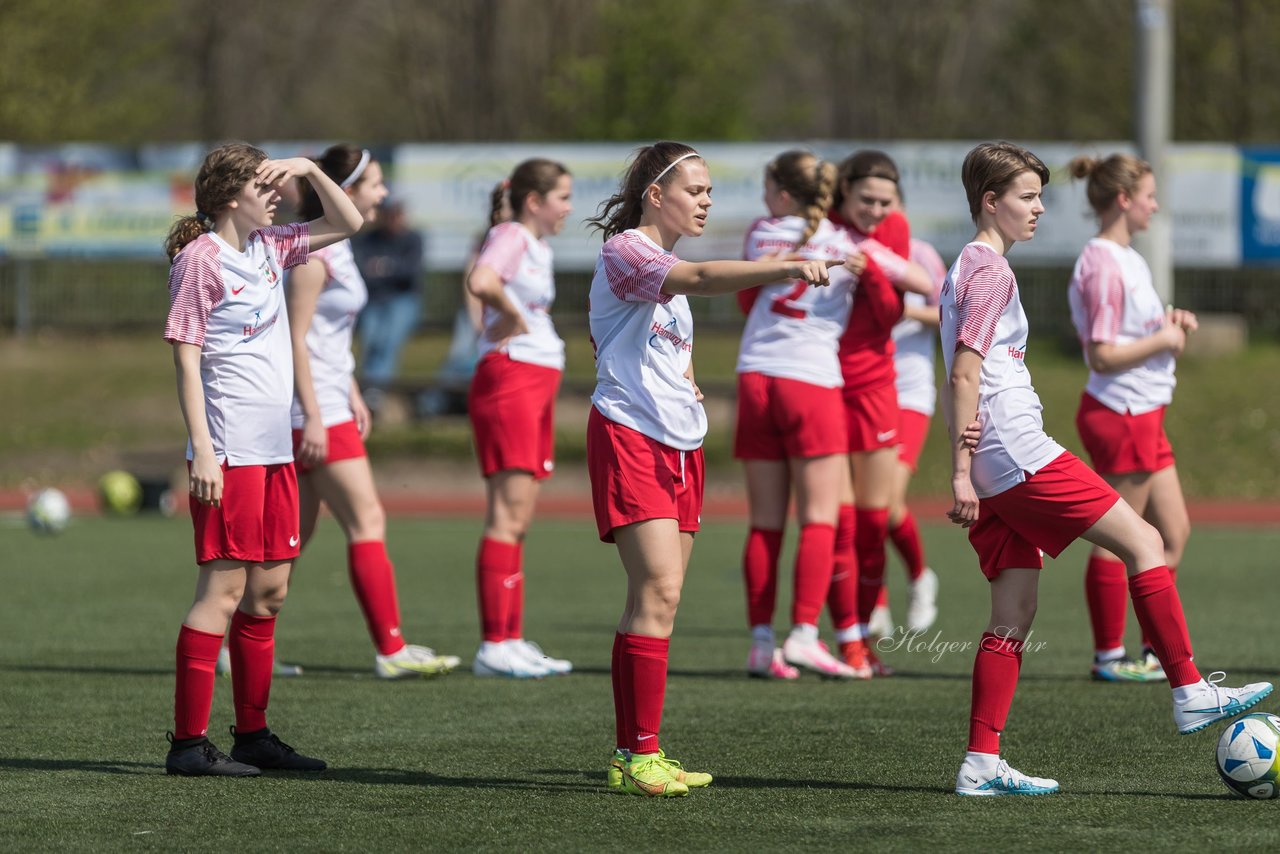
(991, 167)
(624, 208)
(338, 162)
(809, 181)
(867, 163)
(226, 171)
(1119, 173)
(537, 175)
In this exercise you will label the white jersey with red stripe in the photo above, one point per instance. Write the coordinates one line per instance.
(1113, 301)
(329, 338)
(793, 330)
(914, 341)
(523, 263)
(981, 310)
(643, 340)
(231, 305)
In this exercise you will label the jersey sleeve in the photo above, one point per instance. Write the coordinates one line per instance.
(1101, 295)
(502, 250)
(292, 242)
(635, 270)
(877, 296)
(195, 287)
(980, 300)
(926, 256)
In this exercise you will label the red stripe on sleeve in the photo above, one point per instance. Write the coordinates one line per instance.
(981, 296)
(503, 248)
(1101, 293)
(635, 270)
(195, 287)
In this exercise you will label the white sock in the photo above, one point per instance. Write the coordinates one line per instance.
(983, 762)
(1186, 692)
(1102, 656)
(762, 634)
(805, 632)
(488, 647)
(856, 632)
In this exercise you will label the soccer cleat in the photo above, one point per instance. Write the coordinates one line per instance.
(264, 749)
(878, 667)
(650, 775)
(409, 662)
(1002, 781)
(1211, 703)
(692, 779)
(497, 658)
(1125, 669)
(765, 661)
(613, 777)
(1152, 665)
(813, 655)
(530, 651)
(922, 602)
(855, 655)
(881, 623)
(202, 759)
(279, 668)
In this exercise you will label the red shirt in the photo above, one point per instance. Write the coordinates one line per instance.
(866, 348)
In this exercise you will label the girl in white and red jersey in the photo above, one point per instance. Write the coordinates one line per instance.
(790, 431)
(330, 418)
(1130, 344)
(863, 204)
(645, 431)
(230, 335)
(512, 406)
(1021, 495)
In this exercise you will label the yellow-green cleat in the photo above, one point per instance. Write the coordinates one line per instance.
(650, 775)
(692, 779)
(613, 778)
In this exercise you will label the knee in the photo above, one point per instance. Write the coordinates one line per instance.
(1175, 542)
(664, 598)
(370, 524)
(266, 600)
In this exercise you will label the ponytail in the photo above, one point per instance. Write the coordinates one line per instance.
(499, 203)
(1119, 173)
(652, 164)
(808, 180)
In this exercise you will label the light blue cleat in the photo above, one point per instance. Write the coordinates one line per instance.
(1212, 703)
(1003, 781)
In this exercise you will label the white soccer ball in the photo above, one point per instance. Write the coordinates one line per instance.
(48, 511)
(1247, 756)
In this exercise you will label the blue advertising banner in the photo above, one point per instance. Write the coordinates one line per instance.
(1260, 205)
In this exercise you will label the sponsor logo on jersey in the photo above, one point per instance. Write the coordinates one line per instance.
(667, 333)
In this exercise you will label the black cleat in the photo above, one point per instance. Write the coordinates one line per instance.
(264, 749)
(199, 758)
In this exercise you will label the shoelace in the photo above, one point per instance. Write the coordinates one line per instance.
(1214, 680)
(284, 747)
(1013, 779)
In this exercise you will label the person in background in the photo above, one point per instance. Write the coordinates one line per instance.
(390, 259)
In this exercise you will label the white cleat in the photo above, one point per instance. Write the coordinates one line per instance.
(922, 607)
(1211, 703)
(1003, 780)
(500, 659)
(813, 655)
(533, 653)
(881, 623)
(279, 668)
(765, 661)
(411, 661)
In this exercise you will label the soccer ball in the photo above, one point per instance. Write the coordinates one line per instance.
(120, 492)
(48, 511)
(1247, 754)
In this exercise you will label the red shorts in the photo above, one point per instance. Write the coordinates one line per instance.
(1120, 443)
(872, 418)
(1045, 513)
(913, 429)
(345, 443)
(512, 407)
(781, 418)
(258, 519)
(635, 478)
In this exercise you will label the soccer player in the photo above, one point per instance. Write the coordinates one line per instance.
(645, 430)
(512, 405)
(1021, 495)
(790, 431)
(1130, 344)
(866, 193)
(230, 335)
(330, 418)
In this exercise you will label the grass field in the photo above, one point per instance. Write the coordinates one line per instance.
(90, 619)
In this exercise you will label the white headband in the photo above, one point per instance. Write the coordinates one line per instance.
(673, 163)
(365, 157)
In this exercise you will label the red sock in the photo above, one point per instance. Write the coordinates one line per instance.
(995, 676)
(906, 539)
(814, 559)
(760, 571)
(623, 737)
(872, 528)
(253, 658)
(1159, 610)
(644, 662)
(1146, 642)
(373, 578)
(514, 585)
(842, 598)
(193, 691)
(882, 601)
(495, 563)
(1106, 589)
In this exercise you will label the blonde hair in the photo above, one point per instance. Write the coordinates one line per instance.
(223, 174)
(991, 167)
(810, 181)
(1119, 173)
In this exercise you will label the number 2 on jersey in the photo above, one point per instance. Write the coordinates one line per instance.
(786, 304)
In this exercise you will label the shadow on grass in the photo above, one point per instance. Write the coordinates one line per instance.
(88, 670)
(97, 766)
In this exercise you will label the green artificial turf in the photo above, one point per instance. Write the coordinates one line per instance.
(460, 763)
